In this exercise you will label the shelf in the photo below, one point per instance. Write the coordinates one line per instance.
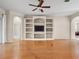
(49, 25)
(29, 35)
(28, 23)
(29, 29)
(39, 24)
(48, 35)
(39, 36)
(49, 29)
(28, 20)
(49, 32)
(28, 17)
(49, 20)
(39, 32)
(29, 26)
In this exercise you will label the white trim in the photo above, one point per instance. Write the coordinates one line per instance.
(4, 29)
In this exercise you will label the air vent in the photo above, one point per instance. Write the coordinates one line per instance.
(66, 0)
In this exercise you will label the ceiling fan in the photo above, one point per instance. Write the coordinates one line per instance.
(40, 6)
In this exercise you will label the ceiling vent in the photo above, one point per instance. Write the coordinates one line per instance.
(66, 0)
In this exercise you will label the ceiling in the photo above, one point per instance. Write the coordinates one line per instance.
(58, 7)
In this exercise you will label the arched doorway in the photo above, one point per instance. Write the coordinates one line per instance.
(75, 28)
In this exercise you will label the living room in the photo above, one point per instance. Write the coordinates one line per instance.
(48, 26)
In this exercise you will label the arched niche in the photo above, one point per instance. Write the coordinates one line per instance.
(38, 20)
(17, 27)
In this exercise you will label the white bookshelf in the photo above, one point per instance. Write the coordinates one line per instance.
(49, 28)
(28, 28)
(31, 22)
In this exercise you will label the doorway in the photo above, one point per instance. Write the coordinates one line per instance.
(75, 28)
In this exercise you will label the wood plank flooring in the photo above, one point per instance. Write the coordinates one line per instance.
(51, 49)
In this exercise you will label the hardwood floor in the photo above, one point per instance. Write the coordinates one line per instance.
(54, 49)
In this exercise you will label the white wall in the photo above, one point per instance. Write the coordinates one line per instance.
(9, 23)
(61, 27)
(1, 11)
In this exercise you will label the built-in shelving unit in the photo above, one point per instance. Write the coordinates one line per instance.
(28, 27)
(38, 27)
(49, 28)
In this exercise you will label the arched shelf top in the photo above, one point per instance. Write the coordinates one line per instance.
(38, 20)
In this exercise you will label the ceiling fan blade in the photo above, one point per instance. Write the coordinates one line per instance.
(40, 3)
(34, 9)
(41, 10)
(32, 5)
(45, 6)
